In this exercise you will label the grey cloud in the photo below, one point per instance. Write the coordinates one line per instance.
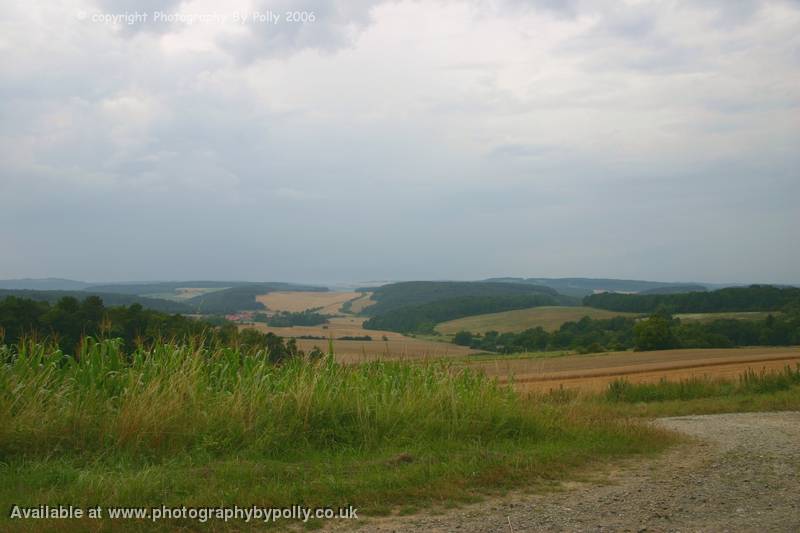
(624, 152)
(336, 24)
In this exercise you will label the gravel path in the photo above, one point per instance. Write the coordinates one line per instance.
(741, 472)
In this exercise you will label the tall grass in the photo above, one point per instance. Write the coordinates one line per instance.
(170, 398)
(750, 382)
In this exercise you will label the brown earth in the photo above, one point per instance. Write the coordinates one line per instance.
(594, 372)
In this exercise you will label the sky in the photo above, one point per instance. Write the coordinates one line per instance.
(395, 140)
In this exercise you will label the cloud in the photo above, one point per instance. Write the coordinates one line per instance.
(395, 138)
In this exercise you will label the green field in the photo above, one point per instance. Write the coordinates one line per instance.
(549, 318)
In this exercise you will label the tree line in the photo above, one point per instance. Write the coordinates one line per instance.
(68, 321)
(660, 331)
(733, 299)
(287, 319)
(424, 317)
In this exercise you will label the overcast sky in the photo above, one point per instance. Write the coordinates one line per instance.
(400, 140)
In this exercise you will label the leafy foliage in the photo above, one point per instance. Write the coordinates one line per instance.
(287, 319)
(67, 322)
(658, 332)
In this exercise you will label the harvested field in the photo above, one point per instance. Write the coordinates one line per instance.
(396, 346)
(549, 318)
(594, 372)
(296, 301)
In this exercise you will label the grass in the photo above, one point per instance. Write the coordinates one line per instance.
(750, 392)
(750, 382)
(201, 426)
(549, 318)
(206, 426)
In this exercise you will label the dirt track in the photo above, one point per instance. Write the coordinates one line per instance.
(739, 473)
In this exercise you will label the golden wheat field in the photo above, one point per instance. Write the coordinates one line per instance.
(549, 318)
(296, 301)
(384, 344)
(594, 372)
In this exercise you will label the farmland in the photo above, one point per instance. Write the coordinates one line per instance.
(328, 303)
(361, 303)
(395, 345)
(549, 318)
(384, 344)
(595, 372)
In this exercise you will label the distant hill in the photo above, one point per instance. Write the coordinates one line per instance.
(417, 306)
(397, 295)
(227, 296)
(733, 299)
(43, 284)
(109, 299)
(242, 298)
(676, 289)
(165, 286)
(580, 287)
(422, 318)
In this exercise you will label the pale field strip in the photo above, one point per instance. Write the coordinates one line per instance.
(298, 301)
(550, 318)
(596, 371)
(396, 345)
(360, 303)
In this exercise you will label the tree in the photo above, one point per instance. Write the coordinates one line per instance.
(655, 333)
(463, 338)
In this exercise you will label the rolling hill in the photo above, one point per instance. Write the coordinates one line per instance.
(548, 318)
(109, 299)
(403, 294)
(580, 287)
(417, 306)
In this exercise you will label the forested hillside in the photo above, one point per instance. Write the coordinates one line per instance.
(657, 332)
(165, 306)
(580, 287)
(422, 318)
(398, 295)
(242, 298)
(753, 298)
